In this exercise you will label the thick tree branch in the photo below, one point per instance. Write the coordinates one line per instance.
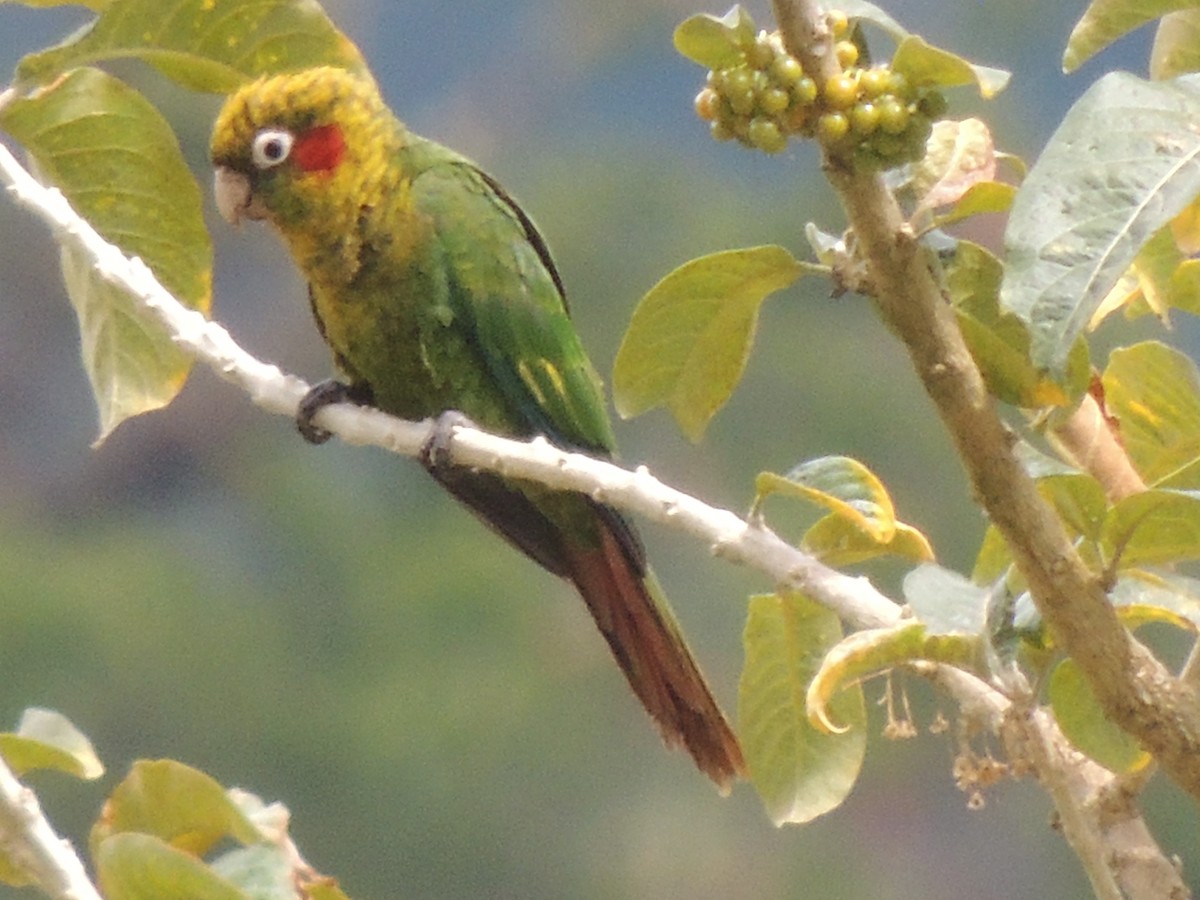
(1135, 689)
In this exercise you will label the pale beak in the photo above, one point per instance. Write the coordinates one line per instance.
(234, 196)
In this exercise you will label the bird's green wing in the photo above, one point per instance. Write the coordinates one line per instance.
(505, 291)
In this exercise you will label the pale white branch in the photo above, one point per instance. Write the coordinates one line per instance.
(29, 841)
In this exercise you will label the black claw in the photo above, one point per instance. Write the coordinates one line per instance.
(435, 454)
(324, 394)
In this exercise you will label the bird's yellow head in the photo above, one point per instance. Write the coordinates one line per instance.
(298, 148)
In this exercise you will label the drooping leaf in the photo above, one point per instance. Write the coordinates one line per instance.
(927, 66)
(1176, 48)
(48, 740)
(205, 45)
(1153, 527)
(716, 42)
(842, 485)
(958, 156)
(1106, 20)
(1089, 205)
(143, 867)
(798, 771)
(875, 650)
(690, 336)
(118, 163)
(1153, 391)
(1083, 721)
(839, 542)
(175, 803)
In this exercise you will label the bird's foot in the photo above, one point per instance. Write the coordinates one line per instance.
(435, 452)
(325, 394)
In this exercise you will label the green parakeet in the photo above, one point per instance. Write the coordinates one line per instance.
(437, 296)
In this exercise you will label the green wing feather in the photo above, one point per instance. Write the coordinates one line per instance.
(506, 293)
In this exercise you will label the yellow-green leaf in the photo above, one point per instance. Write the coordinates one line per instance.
(205, 45)
(143, 867)
(842, 485)
(1153, 391)
(48, 740)
(927, 66)
(1106, 20)
(1176, 48)
(979, 199)
(838, 542)
(716, 41)
(176, 803)
(118, 163)
(1152, 528)
(869, 652)
(1083, 721)
(798, 771)
(690, 336)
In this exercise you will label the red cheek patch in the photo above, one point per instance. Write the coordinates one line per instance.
(320, 149)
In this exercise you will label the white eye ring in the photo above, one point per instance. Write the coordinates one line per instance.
(271, 147)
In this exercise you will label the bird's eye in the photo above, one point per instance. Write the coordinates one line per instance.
(271, 147)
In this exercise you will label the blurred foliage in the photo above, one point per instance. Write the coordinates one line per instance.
(323, 627)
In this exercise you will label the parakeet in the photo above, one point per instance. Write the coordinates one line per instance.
(438, 295)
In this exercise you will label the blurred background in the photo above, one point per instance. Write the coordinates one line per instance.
(325, 628)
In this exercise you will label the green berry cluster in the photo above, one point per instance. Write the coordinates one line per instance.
(766, 97)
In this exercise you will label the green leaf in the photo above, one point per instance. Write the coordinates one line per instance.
(1153, 391)
(958, 156)
(1106, 20)
(978, 199)
(839, 542)
(927, 66)
(842, 485)
(690, 336)
(871, 651)
(716, 42)
(798, 771)
(1124, 162)
(142, 867)
(946, 602)
(1152, 528)
(1176, 48)
(118, 163)
(1175, 599)
(1000, 342)
(48, 740)
(1083, 721)
(176, 803)
(205, 45)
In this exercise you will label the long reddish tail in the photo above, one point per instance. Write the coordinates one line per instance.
(634, 617)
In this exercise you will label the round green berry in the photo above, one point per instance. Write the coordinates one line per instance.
(864, 118)
(804, 90)
(774, 100)
(786, 70)
(840, 91)
(874, 82)
(847, 53)
(898, 85)
(720, 131)
(832, 127)
(762, 53)
(893, 115)
(765, 135)
(933, 105)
